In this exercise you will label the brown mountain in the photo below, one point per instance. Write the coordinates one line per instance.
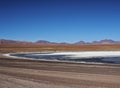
(105, 41)
(80, 42)
(48, 42)
(44, 42)
(5, 41)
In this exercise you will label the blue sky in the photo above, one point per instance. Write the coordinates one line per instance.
(60, 20)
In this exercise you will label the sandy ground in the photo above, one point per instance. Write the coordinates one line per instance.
(21, 73)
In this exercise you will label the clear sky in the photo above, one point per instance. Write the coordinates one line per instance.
(60, 20)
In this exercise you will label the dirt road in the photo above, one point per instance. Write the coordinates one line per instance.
(21, 73)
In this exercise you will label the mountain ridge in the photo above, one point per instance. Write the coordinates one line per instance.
(104, 41)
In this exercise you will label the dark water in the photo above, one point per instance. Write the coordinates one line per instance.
(114, 60)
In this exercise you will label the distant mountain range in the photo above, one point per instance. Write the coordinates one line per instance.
(5, 41)
(105, 41)
(48, 42)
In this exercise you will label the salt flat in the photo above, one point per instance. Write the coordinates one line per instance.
(87, 54)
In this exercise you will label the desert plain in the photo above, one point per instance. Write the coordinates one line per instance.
(25, 73)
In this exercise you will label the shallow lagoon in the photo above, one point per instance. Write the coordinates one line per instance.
(81, 57)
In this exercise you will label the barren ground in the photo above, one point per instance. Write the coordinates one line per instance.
(56, 47)
(21, 73)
